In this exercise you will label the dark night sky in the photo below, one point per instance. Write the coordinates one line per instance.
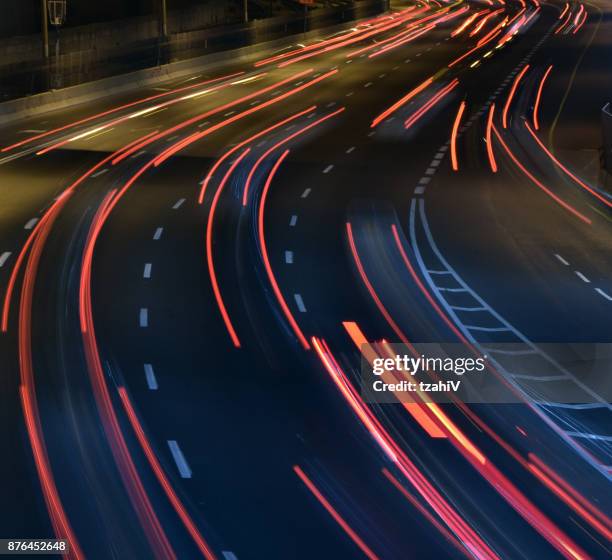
(22, 17)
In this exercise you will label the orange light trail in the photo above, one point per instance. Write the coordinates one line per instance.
(198, 135)
(575, 178)
(176, 502)
(245, 192)
(334, 40)
(57, 515)
(60, 200)
(267, 130)
(565, 9)
(210, 113)
(489, 139)
(595, 517)
(470, 539)
(563, 23)
(453, 144)
(579, 25)
(114, 110)
(431, 103)
(401, 102)
(483, 22)
(209, 253)
(127, 469)
(264, 253)
(541, 186)
(370, 288)
(536, 105)
(511, 95)
(334, 513)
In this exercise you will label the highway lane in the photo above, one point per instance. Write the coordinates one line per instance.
(270, 392)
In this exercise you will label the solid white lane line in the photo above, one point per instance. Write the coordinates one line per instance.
(293, 220)
(178, 203)
(143, 317)
(289, 257)
(158, 233)
(306, 192)
(604, 294)
(4, 257)
(179, 459)
(300, 303)
(150, 376)
(147, 270)
(582, 276)
(31, 223)
(328, 168)
(561, 259)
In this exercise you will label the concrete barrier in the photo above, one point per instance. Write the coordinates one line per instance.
(83, 93)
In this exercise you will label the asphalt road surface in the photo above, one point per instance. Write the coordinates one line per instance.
(187, 273)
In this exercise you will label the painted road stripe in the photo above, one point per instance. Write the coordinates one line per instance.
(604, 294)
(147, 270)
(561, 259)
(179, 459)
(4, 257)
(582, 276)
(158, 233)
(293, 220)
(101, 172)
(289, 257)
(328, 169)
(151, 379)
(300, 303)
(350, 150)
(306, 192)
(178, 204)
(31, 223)
(143, 317)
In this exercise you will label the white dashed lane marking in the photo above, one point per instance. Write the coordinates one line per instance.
(158, 233)
(101, 172)
(351, 149)
(150, 377)
(300, 303)
(178, 204)
(293, 220)
(561, 259)
(328, 169)
(582, 276)
(143, 317)
(603, 294)
(289, 257)
(306, 192)
(147, 270)
(181, 463)
(4, 257)
(31, 223)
